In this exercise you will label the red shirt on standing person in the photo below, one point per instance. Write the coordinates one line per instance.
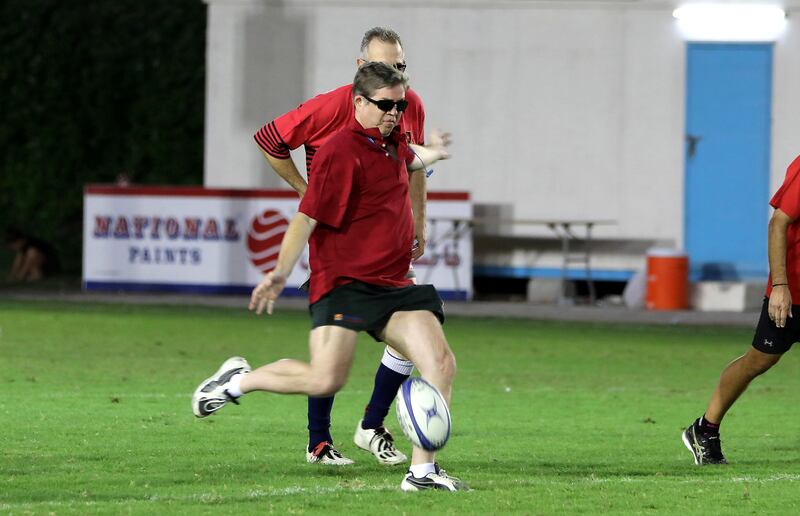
(787, 199)
(358, 194)
(313, 122)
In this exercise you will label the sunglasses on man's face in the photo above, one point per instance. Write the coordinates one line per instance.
(387, 105)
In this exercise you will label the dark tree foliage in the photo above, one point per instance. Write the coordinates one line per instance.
(90, 89)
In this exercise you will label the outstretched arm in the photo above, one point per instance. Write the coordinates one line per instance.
(418, 188)
(295, 239)
(431, 153)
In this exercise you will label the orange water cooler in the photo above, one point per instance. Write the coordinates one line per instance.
(667, 280)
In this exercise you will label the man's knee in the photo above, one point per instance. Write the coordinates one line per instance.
(395, 353)
(326, 386)
(446, 362)
(757, 362)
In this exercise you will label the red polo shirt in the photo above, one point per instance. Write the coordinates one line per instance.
(358, 194)
(787, 199)
(313, 122)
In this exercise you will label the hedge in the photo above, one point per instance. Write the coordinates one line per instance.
(90, 89)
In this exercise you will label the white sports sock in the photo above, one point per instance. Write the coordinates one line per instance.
(234, 384)
(420, 470)
(396, 364)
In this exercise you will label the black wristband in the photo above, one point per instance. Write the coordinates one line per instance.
(780, 285)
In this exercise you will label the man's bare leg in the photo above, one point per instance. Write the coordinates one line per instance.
(702, 437)
(332, 349)
(734, 381)
(419, 336)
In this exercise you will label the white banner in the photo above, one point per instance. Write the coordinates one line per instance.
(222, 241)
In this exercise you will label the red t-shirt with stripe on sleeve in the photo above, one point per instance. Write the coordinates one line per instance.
(787, 199)
(313, 122)
(358, 194)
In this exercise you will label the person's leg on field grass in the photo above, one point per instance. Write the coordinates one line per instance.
(734, 381)
(319, 420)
(332, 349)
(370, 434)
(418, 335)
(393, 370)
(702, 437)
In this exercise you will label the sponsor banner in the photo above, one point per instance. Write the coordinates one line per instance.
(175, 239)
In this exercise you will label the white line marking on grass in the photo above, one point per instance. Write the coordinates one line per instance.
(784, 477)
(288, 491)
(602, 480)
(773, 478)
(255, 494)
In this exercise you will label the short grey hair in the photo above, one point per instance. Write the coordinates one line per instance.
(384, 34)
(373, 76)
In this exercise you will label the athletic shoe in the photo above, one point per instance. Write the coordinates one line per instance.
(326, 453)
(213, 394)
(706, 449)
(439, 479)
(380, 443)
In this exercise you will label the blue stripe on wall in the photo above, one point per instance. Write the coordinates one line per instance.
(545, 272)
(124, 286)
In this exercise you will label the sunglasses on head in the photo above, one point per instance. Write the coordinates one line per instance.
(386, 105)
(400, 67)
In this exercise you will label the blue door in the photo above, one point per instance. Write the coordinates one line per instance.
(728, 110)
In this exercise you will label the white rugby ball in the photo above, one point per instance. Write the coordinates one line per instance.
(423, 414)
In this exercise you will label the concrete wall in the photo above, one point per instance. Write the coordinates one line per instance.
(558, 109)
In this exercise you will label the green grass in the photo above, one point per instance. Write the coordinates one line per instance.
(549, 418)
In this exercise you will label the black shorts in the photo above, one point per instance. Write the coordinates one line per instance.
(773, 340)
(362, 307)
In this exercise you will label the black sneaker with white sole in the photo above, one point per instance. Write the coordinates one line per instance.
(212, 394)
(438, 479)
(705, 448)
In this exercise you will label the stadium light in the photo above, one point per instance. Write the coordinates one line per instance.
(730, 22)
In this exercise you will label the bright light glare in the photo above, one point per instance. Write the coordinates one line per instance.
(730, 22)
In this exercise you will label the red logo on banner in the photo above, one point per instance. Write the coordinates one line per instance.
(264, 239)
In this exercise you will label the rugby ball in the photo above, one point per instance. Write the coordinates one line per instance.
(423, 414)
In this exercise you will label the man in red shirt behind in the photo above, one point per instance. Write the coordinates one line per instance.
(777, 327)
(356, 216)
(311, 125)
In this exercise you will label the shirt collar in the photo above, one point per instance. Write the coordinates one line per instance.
(374, 133)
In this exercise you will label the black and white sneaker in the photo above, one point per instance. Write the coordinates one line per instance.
(327, 454)
(706, 449)
(439, 479)
(212, 394)
(380, 443)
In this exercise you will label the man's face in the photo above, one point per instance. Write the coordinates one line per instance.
(369, 115)
(382, 52)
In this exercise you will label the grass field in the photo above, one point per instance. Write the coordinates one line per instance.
(549, 418)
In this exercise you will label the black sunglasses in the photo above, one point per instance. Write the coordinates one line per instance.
(386, 105)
